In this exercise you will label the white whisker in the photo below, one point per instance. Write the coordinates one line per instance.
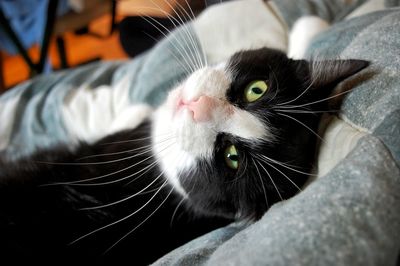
(301, 123)
(285, 165)
(305, 111)
(173, 20)
(298, 97)
(78, 182)
(122, 219)
(126, 141)
(188, 34)
(182, 50)
(122, 152)
(270, 177)
(184, 67)
(294, 184)
(175, 211)
(306, 104)
(194, 43)
(124, 199)
(97, 163)
(262, 183)
(145, 169)
(148, 217)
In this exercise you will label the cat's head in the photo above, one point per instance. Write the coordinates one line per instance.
(240, 136)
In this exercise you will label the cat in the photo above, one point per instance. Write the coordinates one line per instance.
(227, 143)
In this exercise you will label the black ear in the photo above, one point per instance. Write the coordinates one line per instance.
(328, 73)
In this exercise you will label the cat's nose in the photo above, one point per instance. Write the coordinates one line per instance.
(202, 108)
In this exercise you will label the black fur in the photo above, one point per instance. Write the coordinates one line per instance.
(248, 192)
(38, 218)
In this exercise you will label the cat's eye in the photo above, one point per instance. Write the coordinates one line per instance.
(255, 90)
(231, 157)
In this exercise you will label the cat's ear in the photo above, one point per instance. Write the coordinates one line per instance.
(328, 73)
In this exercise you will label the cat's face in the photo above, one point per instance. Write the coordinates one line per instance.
(235, 138)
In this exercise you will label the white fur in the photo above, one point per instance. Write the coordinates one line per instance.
(339, 139)
(239, 25)
(303, 31)
(179, 141)
(91, 114)
(8, 109)
(367, 7)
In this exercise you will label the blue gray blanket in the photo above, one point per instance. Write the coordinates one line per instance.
(349, 215)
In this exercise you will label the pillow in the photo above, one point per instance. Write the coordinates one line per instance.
(346, 216)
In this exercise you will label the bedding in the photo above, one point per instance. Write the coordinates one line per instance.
(349, 215)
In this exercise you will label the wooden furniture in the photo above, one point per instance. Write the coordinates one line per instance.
(35, 68)
(74, 21)
(56, 27)
(2, 83)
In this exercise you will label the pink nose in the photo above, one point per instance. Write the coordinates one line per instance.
(202, 108)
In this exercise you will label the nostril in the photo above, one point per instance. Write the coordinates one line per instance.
(196, 100)
(202, 108)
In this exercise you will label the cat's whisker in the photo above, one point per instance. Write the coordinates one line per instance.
(190, 39)
(262, 182)
(306, 112)
(144, 170)
(134, 229)
(114, 153)
(124, 141)
(147, 168)
(122, 152)
(124, 199)
(184, 67)
(298, 97)
(96, 163)
(173, 20)
(120, 220)
(279, 171)
(176, 210)
(198, 47)
(276, 81)
(245, 164)
(285, 165)
(311, 103)
(301, 123)
(81, 182)
(195, 59)
(270, 177)
(130, 215)
(181, 50)
(132, 140)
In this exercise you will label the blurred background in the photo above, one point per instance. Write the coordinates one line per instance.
(42, 36)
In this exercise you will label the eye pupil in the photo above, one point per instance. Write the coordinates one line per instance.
(231, 157)
(257, 90)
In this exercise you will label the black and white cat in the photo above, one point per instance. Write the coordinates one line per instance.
(228, 142)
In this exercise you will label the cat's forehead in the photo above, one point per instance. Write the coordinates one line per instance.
(212, 81)
(262, 63)
(260, 57)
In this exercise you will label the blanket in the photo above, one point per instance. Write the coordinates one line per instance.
(349, 215)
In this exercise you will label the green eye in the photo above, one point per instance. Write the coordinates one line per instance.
(255, 90)
(231, 157)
